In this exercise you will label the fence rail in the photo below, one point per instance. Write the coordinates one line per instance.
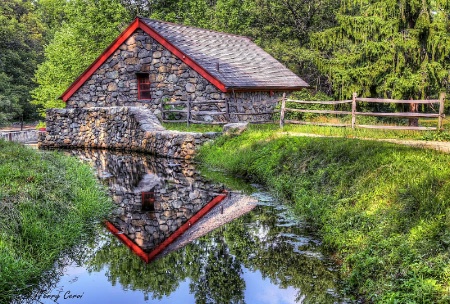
(354, 113)
(188, 112)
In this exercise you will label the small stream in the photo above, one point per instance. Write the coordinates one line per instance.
(233, 247)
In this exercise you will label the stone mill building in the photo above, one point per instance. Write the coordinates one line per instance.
(153, 62)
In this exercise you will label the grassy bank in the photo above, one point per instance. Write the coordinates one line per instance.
(326, 131)
(383, 210)
(47, 203)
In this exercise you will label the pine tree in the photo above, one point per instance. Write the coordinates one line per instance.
(387, 48)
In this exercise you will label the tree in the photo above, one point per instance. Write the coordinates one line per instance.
(387, 48)
(89, 27)
(21, 39)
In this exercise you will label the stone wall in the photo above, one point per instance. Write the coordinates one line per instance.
(124, 128)
(25, 136)
(115, 83)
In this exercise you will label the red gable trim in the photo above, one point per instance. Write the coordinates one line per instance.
(100, 60)
(137, 23)
(148, 257)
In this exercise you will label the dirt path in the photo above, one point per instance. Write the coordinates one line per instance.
(436, 145)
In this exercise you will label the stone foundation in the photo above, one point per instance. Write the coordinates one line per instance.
(25, 136)
(121, 128)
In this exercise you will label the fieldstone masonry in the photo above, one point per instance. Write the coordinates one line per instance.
(105, 111)
(179, 193)
(124, 128)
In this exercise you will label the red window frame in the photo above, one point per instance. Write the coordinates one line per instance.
(144, 89)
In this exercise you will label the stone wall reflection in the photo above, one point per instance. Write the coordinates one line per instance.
(154, 196)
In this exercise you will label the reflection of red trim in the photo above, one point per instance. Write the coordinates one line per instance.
(124, 239)
(185, 226)
(148, 257)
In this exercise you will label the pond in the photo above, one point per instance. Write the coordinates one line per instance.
(176, 237)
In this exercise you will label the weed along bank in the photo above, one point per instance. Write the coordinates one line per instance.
(117, 100)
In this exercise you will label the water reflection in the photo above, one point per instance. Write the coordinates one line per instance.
(237, 252)
(158, 199)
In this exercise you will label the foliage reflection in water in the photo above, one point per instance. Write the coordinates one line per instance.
(263, 256)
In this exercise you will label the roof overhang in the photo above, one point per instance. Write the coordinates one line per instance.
(265, 89)
(138, 24)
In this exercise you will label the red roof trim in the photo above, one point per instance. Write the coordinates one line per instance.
(100, 60)
(148, 257)
(129, 243)
(137, 23)
(190, 62)
(201, 213)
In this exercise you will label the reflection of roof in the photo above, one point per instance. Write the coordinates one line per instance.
(213, 215)
(227, 211)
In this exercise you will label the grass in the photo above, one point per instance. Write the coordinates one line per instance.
(382, 210)
(326, 131)
(47, 204)
(202, 128)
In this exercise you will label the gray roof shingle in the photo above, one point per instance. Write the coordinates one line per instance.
(242, 64)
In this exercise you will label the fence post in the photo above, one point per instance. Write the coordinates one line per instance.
(227, 107)
(188, 115)
(354, 110)
(441, 110)
(283, 109)
(161, 105)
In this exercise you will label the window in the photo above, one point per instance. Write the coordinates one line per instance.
(143, 86)
(148, 200)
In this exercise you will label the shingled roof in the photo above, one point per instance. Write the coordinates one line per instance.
(230, 62)
(234, 60)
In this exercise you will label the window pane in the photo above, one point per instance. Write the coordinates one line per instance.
(144, 95)
(144, 87)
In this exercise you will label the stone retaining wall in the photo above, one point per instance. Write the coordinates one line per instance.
(25, 136)
(123, 128)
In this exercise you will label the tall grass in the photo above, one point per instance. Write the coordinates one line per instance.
(383, 210)
(47, 203)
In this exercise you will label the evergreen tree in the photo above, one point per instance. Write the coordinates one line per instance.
(20, 51)
(387, 48)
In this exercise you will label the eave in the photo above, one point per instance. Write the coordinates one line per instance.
(266, 89)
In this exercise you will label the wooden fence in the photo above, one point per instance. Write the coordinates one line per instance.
(354, 113)
(187, 109)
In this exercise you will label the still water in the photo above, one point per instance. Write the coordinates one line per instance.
(176, 237)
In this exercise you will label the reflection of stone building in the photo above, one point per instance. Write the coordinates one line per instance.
(172, 193)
